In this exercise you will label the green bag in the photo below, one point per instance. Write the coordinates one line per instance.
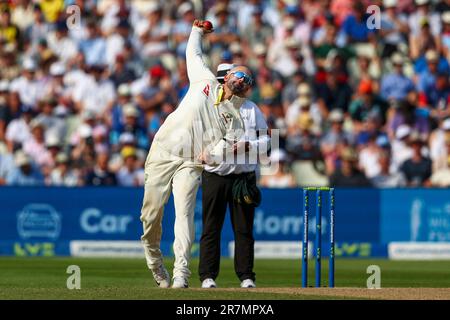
(245, 190)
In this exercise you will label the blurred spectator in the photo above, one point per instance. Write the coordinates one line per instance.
(396, 85)
(281, 178)
(25, 173)
(417, 169)
(62, 175)
(348, 174)
(394, 27)
(100, 175)
(386, 179)
(9, 32)
(441, 176)
(130, 174)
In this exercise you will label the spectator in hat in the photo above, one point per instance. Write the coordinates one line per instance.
(155, 31)
(387, 178)
(182, 27)
(334, 139)
(63, 175)
(130, 123)
(257, 31)
(394, 25)
(396, 85)
(27, 85)
(36, 146)
(348, 173)
(25, 173)
(115, 40)
(124, 96)
(100, 175)
(130, 174)
(224, 33)
(417, 169)
(427, 79)
(302, 143)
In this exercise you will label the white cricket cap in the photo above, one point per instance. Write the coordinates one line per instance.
(402, 131)
(152, 6)
(397, 58)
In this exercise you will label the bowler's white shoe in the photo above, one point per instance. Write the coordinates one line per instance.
(248, 283)
(209, 283)
(161, 276)
(180, 283)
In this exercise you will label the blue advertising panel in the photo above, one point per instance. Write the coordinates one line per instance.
(44, 221)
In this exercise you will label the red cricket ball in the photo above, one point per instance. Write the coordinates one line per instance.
(207, 25)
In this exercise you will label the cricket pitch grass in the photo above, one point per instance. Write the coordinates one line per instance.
(46, 278)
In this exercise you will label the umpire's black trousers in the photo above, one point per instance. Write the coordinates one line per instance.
(216, 195)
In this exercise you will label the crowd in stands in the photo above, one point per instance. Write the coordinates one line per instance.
(358, 98)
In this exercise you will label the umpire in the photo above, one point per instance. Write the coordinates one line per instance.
(233, 184)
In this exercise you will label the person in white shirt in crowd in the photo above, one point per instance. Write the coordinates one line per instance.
(401, 151)
(217, 185)
(130, 174)
(61, 44)
(62, 175)
(18, 130)
(154, 31)
(36, 146)
(421, 14)
(27, 85)
(95, 93)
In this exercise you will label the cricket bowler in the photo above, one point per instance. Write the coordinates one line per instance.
(206, 122)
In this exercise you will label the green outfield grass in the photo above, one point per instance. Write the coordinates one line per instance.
(45, 278)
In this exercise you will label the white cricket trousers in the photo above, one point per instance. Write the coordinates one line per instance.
(165, 173)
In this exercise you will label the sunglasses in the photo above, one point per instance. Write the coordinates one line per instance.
(247, 79)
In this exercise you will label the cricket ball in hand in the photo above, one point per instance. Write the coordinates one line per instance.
(207, 25)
